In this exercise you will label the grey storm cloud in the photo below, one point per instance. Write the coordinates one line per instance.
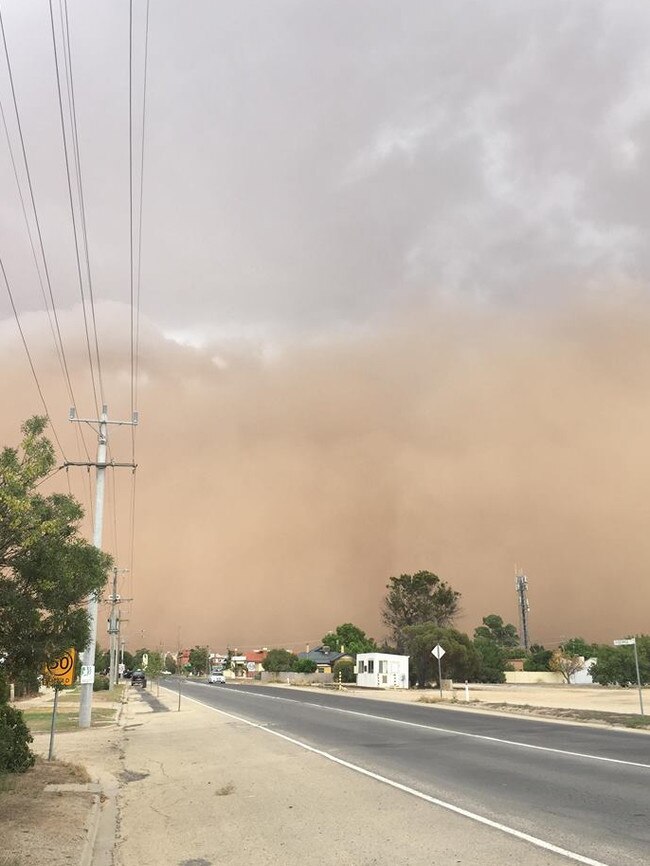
(309, 165)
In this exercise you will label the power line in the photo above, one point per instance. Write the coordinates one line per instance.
(67, 55)
(29, 234)
(132, 335)
(29, 357)
(136, 278)
(49, 475)
(132, 529)
(114, 503)
(138, 283)
(33, 201)
(72, 212)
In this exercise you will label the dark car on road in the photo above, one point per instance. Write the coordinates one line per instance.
(138, 678)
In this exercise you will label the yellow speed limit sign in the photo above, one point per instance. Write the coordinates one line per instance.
(61, 671)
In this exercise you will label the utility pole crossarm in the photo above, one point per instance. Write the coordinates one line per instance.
(110, 465)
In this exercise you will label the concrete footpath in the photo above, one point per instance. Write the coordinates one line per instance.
(198, 788)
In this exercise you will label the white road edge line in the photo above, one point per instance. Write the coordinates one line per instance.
(473, 816)
(449, 731)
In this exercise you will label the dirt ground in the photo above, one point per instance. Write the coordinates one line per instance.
(580, 698)
(39, 828)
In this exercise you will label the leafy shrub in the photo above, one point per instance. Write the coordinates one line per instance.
(15, 754)
(304, 666)
(101, 684)
(538, 659)
(346, 669)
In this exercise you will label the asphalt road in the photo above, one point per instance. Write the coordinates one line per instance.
(585, 790)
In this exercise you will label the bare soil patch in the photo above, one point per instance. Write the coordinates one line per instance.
(39, 828)
(571, 714)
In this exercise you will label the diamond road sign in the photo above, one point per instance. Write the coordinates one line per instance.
(628, 641)
(437, 651)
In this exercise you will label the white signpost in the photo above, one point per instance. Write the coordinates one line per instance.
(87, 674)
(438, 652)
(631, 641)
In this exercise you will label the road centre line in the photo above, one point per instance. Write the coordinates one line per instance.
(451, 731)
(450, 807)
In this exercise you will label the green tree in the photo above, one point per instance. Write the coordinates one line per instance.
(102, 659)
(460, 662)
(538, 658)
(127, 658)
(414, 599)
(346, 669)
(493, 661)
(138, 658)
(47, 570)
(279, 660)
(199, 660)
(577, 646)
(615, 665)
(496, 631)
(170, 663)
(351, 638)
(155, 665)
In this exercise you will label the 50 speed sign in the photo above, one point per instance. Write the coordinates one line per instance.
(61, 671)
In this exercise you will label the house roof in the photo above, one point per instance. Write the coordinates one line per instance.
(257, 656)
(321, 657)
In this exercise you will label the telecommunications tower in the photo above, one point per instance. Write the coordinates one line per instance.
(521, 586)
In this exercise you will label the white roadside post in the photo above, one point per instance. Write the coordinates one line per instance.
(438, 652)
(631, 641)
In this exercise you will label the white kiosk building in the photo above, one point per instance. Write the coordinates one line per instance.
(382, 671)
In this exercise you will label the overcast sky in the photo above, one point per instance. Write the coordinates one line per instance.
(315, 165)
(317, 173)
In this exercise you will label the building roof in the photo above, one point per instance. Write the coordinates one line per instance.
(323, 655)
(256, 656)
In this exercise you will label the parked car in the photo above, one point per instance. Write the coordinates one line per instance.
(127, 674)
(217, 678)
(138, 678)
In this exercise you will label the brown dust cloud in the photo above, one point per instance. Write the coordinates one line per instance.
(277, 494)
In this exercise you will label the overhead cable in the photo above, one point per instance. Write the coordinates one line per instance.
(74, 223)
(29, 358)
(31, 241)
(35, 211)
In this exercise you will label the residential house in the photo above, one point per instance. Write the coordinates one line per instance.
(325, 658)
(254, 662)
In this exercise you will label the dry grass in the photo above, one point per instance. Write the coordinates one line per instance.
(36, 825)
(114, 695)
(20, 790)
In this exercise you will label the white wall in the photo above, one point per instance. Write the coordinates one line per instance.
(382, 671)
(583, 677)
(532, 677)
